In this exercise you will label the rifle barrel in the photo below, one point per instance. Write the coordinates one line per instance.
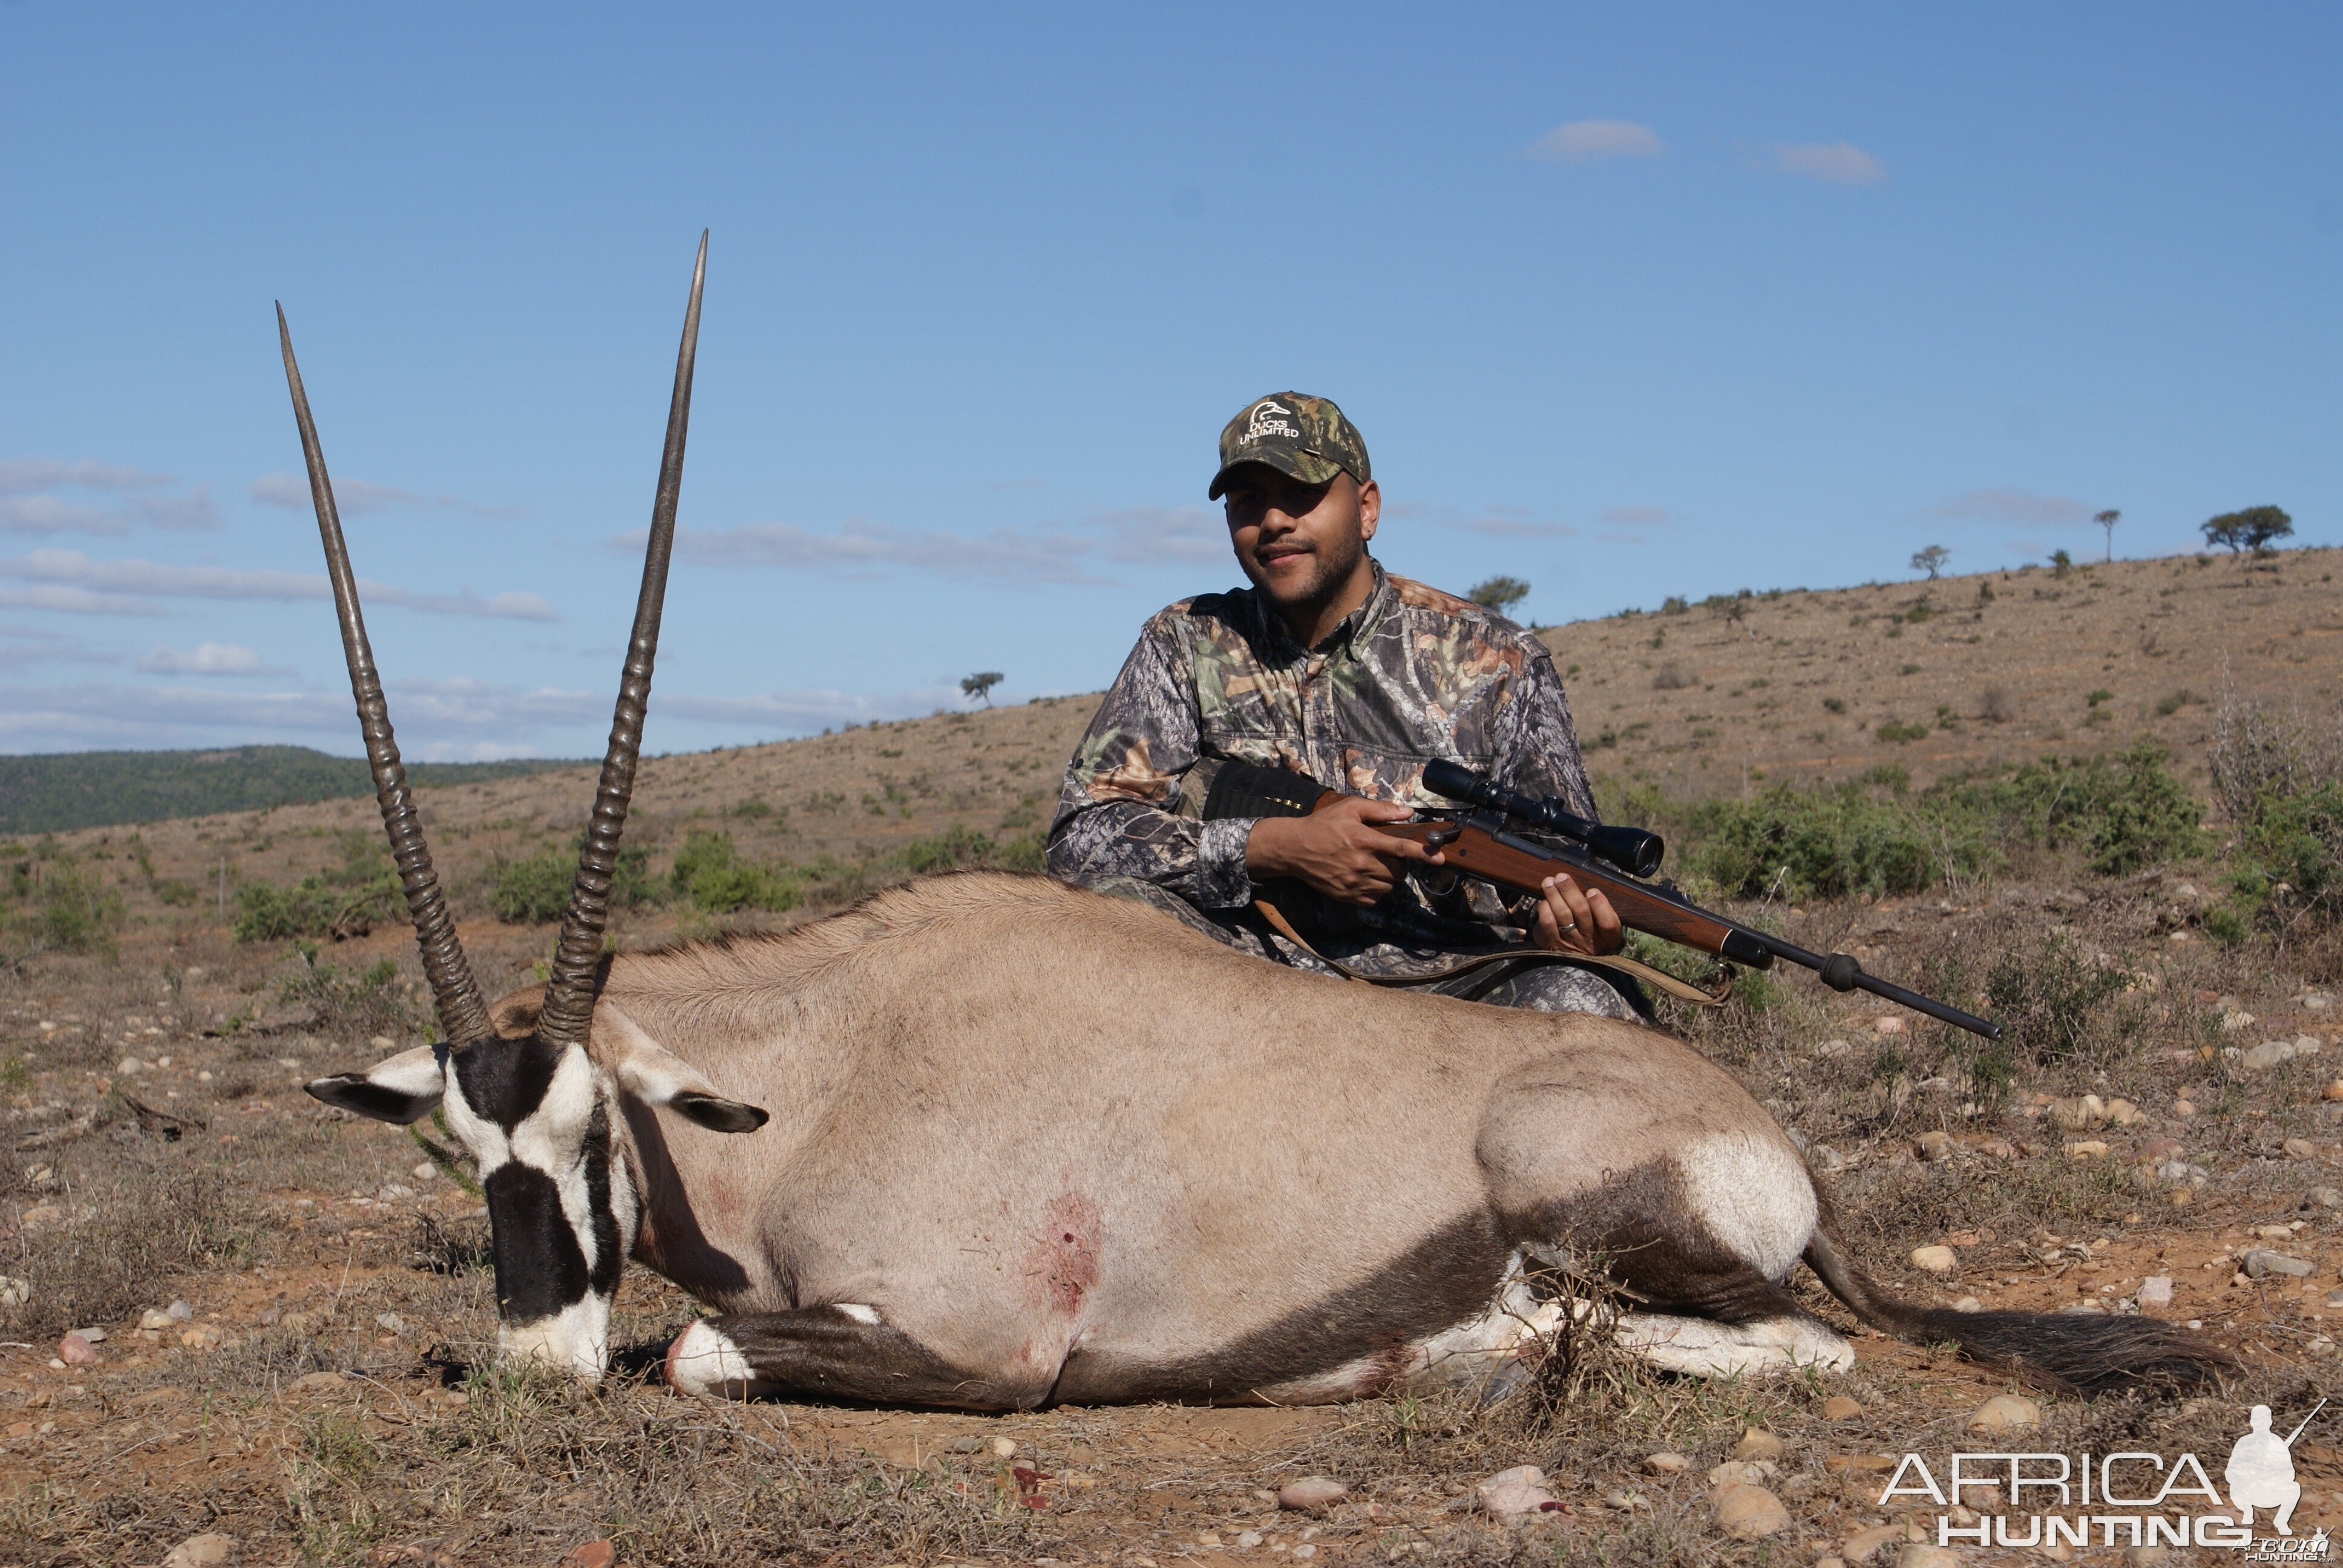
(1841, 972)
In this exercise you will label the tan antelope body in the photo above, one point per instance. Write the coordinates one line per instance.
(1073, 1150)
(988, 1141)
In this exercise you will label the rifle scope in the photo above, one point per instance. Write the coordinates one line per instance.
(1633, 850)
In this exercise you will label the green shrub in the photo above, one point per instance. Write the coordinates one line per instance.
(1896, 731)
(531, 892)
(2048, 1001)
(710, 872)
(266, 912)
(2225, 925)
(360, 1003)
(2290, 860)
(342, 901)
(1831, 842)
(1876, 835)
(958, 849)
(73, 909)
(2126, 811)
(535, 890)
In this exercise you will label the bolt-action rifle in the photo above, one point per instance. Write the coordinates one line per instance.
(1487, 841)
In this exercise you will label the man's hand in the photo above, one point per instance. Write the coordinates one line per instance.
(1338, 851)
(1571, 920)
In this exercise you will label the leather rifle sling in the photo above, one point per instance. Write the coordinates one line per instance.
(1683, 991)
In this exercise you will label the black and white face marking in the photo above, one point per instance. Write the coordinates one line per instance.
(538, 1119)
(543, 1123)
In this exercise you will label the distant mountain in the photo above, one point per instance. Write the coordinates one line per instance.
(99, 788)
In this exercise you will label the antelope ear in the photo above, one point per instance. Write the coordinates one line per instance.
(400, 1088)
(657, 1076)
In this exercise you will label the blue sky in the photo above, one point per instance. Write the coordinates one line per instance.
(1627, 301)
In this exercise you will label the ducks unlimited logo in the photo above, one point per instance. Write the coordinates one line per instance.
(2130, 1499)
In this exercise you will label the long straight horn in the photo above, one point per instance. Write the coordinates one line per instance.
(462, 1017)
(570, 998)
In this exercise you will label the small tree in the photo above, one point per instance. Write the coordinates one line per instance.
(1500, 594)
(980, 684)
(1931, 560)
(2107, 520)
(2251, 529)
(2061, 563)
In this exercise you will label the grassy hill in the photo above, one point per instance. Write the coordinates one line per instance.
(100, 789)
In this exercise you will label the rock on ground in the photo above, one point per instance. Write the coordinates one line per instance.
(1520, 1490)
(1861, 1546)
(206, 1551)
(2005, 1412)
(1935, 1260)
(1312, 1494)
(1743, 1472)
(1748, 1513)
(2261, 1264)
(1921, 1554)
(1757, 1443)
(1838, 1407)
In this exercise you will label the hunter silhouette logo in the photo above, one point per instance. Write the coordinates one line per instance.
(1271, 418)
(2260, 1471)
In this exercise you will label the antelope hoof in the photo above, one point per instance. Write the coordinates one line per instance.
(701, 1360)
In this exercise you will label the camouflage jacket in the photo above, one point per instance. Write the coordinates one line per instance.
(1413, 674)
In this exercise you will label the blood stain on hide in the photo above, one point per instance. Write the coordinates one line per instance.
(1062, 1264)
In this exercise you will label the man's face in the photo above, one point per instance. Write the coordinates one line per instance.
(1299, 543)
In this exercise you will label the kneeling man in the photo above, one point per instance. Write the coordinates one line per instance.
(1331, 668)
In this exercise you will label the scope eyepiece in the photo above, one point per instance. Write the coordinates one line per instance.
(1635, 851)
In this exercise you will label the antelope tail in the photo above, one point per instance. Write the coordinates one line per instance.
(2082, 1353)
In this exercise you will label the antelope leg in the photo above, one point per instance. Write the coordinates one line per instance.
(837, 1352)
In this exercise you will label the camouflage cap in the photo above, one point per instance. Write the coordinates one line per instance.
(1305, 436)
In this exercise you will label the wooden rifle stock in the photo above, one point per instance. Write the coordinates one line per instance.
(1510, 863)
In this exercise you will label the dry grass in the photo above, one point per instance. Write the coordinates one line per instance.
(266, 1213)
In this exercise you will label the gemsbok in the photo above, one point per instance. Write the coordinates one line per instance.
(990, 1142)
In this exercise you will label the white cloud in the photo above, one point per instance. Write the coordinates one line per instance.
(868, 549)
(55, 515)
(1590, 141)
(1834, 163)
(1190, 536)
(103, 714)
(1497, 521)
(29, 503)
(128, 588)
(75, 601)
(193, 511)
(2011, 506)
(24, 475)
(206, 658)
(357, 495)
(286, 490)
(438, 719)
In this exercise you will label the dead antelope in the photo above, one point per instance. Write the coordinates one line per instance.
(990, 1142)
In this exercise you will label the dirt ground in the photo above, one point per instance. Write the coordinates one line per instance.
(326, 1398)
